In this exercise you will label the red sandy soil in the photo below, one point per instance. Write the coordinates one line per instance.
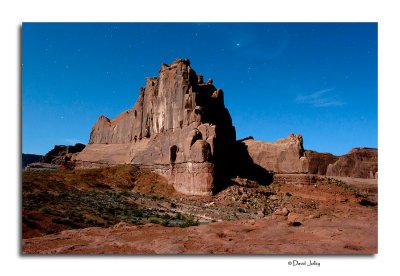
(271, 235)
(326, 218)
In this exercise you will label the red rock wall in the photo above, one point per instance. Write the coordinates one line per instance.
(193, 178)
(282, 156)
(359, 163)
(179, 121)
(188, 178)
(318, 162)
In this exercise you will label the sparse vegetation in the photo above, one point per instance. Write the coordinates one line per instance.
(68, 199)
(340, 183)
(179, 220)
(189, 221)
(361, 194)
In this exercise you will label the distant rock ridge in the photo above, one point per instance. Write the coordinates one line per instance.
(287, 156)
(59, 155)
(30, 158)
(359, 163)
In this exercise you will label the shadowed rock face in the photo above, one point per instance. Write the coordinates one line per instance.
(359, 162)
(318, 161)
(60, 153)
(178, 127)
(29, 159)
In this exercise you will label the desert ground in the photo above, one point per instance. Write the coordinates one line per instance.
(127, 210)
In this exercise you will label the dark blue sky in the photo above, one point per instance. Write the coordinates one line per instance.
(317, 79)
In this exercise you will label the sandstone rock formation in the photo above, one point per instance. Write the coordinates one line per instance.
(359, 162)
(178, 127)
(285, 155)
(62, 154)
(318, 161)
(59, 155)
(30, 158)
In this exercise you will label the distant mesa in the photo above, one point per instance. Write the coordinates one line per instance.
(60, 155)
(30, 158)
(180, 128)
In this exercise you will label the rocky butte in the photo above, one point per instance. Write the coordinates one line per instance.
(180, 128)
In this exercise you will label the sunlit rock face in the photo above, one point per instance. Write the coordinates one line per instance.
(178, 127)
(285, 155)
(359, 163)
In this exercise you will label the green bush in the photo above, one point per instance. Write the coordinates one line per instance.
(154, 219)
(189, 221)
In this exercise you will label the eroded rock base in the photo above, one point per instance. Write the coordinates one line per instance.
(295, 179)
(189, 178)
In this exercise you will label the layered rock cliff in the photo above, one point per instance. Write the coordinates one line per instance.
(359, 162)
(178, 127)
(285, 155)
(318, 162)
